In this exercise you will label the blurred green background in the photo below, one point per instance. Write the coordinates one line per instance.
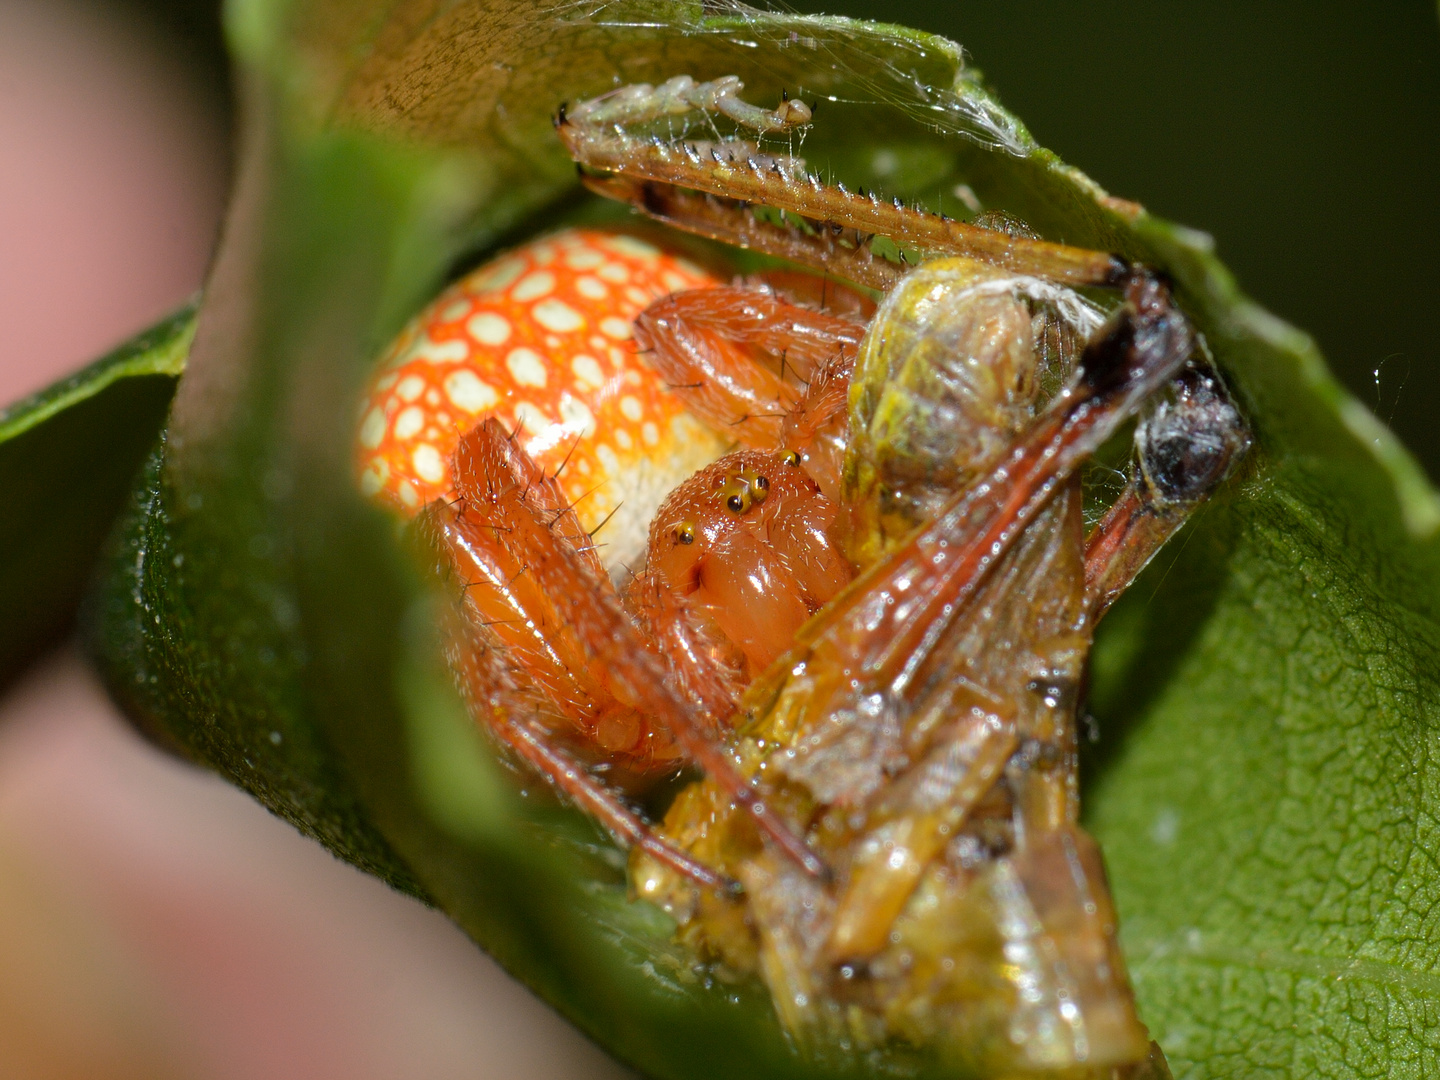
(1305, 137)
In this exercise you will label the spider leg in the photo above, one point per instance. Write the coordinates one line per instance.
(493, 690)
(817, 428)
(505, 606)
(600, 803)
(613, 647)
(595, 135)
(742, 358)
(704, 670)
(1185, 447)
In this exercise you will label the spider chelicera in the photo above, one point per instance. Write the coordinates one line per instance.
(867, 624)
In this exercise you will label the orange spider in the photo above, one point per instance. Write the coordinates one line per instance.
(868, 625)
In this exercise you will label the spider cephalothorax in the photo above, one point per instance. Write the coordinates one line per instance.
(868, 623)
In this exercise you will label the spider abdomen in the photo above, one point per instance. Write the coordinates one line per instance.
(541, 338)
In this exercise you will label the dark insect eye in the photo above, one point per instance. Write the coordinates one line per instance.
(762, 484)
(736, 503)
(685, 532)
(790, 457)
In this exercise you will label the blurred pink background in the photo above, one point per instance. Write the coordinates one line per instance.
(155, 922)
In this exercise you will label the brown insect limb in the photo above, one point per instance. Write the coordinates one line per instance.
(595, 136)
(891, 861)
(843, 253)
(1185, 447)
(613, 646)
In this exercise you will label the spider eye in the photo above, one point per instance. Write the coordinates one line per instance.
(790, 457)
(685, 532)
(736, 495)
(757, 486)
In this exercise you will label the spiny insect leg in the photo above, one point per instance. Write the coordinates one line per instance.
(593, 133)
(841, 253)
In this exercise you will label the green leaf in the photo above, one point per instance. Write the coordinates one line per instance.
(1267, 692)
(68, 455)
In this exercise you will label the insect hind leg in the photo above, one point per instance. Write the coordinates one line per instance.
(595, 133)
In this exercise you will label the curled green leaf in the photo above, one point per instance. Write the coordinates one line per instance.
(67, 456)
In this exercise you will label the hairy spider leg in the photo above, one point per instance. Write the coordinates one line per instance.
(614, 650)
(594, 133)
(491, 690)
(595, 799)
(1186, 445)
(704, 668)
(742, 358)
(505, 608)
(772, 373)
(519, 667)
